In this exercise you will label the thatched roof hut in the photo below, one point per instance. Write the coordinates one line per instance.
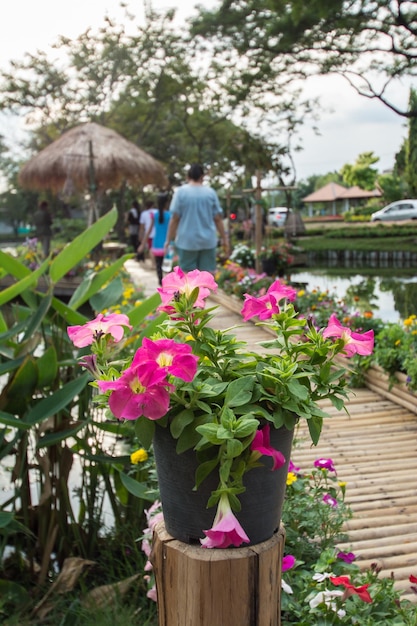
(90, 157)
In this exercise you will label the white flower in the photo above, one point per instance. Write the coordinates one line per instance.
(285, 587)
(321, 577)
(326, 597)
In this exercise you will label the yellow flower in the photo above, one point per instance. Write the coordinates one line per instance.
(291, 478)
(301, 293)
(342, 484)
(398, 342)
(408, 322)
(139, 456)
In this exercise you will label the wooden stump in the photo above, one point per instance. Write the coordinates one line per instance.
(208, 587)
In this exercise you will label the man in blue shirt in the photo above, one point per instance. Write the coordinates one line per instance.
(196, 215)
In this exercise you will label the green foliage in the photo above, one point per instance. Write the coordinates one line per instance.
(314, 514)
(48, 424)
(361, 173)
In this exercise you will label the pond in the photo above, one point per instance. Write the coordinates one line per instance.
(391, 298)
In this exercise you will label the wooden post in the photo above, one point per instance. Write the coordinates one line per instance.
(208, 587)
(259, 221)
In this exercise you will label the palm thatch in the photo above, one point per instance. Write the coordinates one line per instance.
(92, 157)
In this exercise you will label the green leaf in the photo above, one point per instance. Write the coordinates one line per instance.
(138, 314)
(7, 419)
(108, 296)
(239, 391)
(5, 518)
(10, 293)
(71, 317)
(21, 386)
(315, 425)
(144, 430)
(13, 266)
(47, 367)
(203, 470)
(77, 249)
(209, 431)
(57, 401)
(50, 439)
(37, 318)
(246, 426)
(180, 421)
(234, 448)
(140, 490)
(92, 285)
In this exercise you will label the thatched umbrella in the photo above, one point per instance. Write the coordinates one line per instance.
(91, 157)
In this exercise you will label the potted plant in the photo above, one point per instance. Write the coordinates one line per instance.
(220, 416)
(276, 259)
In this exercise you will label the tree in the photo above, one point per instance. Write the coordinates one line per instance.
(371, 43)
(411, 148)
(151, 87)
(361, 173)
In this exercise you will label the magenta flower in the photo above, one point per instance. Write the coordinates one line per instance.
(226, 530)
(261, 444)
(328, 499)
(325, 464)
(267, 305)
(288, 562)
(175, 358)
(293, 468)
(112, 324)
(140, 390)
(347, 557)
(177, 282)
(355, 343)
(280, 291)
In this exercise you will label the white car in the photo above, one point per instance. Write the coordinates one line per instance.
(400, 210)
(277, 216)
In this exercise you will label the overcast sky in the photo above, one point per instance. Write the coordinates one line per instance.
(349, 124)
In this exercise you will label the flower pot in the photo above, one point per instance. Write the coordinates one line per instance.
(185, 511)
(269, 267)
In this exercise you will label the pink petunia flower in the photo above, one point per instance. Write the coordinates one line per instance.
(177, 282)
(261, 444)
(325, 464)
(328, 499)
(355, 343)
(267, 305)
(362, 591)
(140, 390)
(175, 358)
(112, 324)
(226, 530)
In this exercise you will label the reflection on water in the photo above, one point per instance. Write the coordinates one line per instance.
(393, 298)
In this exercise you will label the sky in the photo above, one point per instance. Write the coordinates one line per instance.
(349, 124)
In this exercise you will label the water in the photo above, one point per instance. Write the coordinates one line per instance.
(395, 298)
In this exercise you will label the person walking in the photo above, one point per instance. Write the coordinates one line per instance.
(133, 218)
(160, 219)
(196, 214)
(42, 221)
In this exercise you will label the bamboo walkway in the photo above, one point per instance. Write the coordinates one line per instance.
(374, 449)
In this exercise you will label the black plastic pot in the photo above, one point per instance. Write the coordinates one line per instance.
(185, 511)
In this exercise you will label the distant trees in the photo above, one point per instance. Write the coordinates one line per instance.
(361, 173)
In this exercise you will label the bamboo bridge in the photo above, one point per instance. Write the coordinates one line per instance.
(374, 449)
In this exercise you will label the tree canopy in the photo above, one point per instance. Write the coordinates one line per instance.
(369, 42)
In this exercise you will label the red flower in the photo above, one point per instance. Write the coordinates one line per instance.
(362, 591)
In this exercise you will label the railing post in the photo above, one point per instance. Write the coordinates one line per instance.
(211, 587)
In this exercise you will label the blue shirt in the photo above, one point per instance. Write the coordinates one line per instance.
(197, 207)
